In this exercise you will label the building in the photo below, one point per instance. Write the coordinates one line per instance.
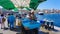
(46, 10)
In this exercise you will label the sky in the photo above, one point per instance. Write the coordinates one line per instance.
(49, 4)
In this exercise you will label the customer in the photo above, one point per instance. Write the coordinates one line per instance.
(17, 21)
(8, 19)
(3, 20)
(6, 22)
(11, 20)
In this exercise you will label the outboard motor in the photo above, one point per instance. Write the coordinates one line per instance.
(52, 25)
(46, 25)
(42, 23)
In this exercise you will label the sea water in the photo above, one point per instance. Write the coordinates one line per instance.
(54, 17)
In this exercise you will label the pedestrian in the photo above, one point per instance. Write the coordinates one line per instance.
(8, 19)
(18, 23)
(3, 20)
(11, 20)
(6, 22)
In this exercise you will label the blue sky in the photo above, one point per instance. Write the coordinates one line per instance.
(50, 4)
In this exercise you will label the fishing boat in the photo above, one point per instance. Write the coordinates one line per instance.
(40, 13)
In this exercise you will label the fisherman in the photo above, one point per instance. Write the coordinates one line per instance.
(32, 16)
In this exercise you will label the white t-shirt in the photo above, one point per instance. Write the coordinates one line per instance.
(6, 22)
(27, 16)
(17, 21)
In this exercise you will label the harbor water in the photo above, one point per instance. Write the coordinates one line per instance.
(54, 17)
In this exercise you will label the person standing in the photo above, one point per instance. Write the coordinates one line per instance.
(0, 21)
(18, 23)
(32, 16)
(11, 20)
(3, 20)
(6, 22)
(17, 20)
